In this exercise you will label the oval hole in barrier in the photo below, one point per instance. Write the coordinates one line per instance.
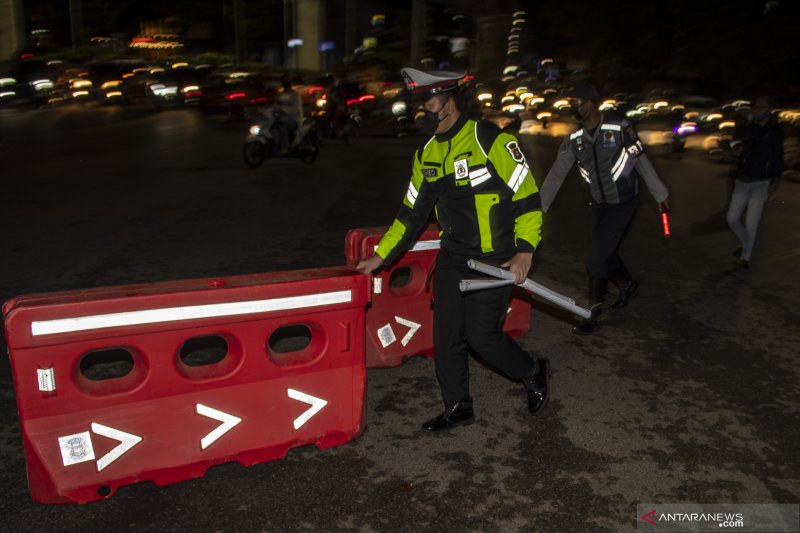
(101, 365)
(208, 356)
(400, 277)
(110, 370)
(295, 344)
(407, 280)
(201, 351)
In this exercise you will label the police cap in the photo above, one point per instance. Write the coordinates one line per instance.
(432, 82)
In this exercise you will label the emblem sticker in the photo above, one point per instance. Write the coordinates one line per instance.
(516, 153)
(76, 448)
(462, 169)
(429, 172)
(608, 139)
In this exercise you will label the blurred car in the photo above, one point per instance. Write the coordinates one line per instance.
(29, 82)
(236, 92)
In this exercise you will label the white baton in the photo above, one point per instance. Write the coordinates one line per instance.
(507, 278)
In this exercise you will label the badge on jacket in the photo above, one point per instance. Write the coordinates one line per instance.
(516, 153)
(462, 169)
(608, 140)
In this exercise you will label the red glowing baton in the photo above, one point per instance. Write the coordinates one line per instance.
(665, 223)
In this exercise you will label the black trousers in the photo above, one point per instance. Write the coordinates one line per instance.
(609, 224)
(470, 320)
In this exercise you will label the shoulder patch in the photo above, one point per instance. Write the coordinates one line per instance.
(514, 150)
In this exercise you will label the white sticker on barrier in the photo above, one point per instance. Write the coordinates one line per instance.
(509, 311)
(377, 285)
(316, 406)
(76, 448)
(126, 442)
(409, 324)
(386, 335)
(47, 379)
(228, 422)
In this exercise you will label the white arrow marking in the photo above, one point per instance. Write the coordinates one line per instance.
(409, 324)
(316, 405)
(228, 422)
(126, 442)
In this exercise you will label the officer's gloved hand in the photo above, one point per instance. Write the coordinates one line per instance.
(520, 265)
(663, 205)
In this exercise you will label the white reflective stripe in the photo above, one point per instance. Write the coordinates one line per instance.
(620, 161)
(614, 127)
(412, 194)
(478, 172)
(477, 181)
(576, 134)
(426, 245)
(517, 176)
(585, 174)
(420, 245)
(476, 140)
(476, 177)
(616, 174)
(194, 312)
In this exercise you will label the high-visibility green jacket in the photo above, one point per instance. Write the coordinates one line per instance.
(479, 182)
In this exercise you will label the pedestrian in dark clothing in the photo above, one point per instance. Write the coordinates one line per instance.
(760, 166)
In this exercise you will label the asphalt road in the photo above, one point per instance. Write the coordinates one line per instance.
(689, 395)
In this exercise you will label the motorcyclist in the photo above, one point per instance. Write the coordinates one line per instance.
(289, 114)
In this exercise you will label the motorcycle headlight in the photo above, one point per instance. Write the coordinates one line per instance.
(255, 130)
(399, 108)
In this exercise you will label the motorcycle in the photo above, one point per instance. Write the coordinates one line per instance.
(339, 121)
(263, 140)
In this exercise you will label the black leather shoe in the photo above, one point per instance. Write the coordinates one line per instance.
(626, 294)
(458, 415)
(538, 387)
(587, 327)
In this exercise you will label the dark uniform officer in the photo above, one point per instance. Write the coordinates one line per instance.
(488, 208)
(610, 159)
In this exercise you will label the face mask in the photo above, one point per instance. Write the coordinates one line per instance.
(758, 117)
(429, 122)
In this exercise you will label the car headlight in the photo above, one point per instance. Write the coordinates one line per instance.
(321, 102)
(255, 130)
(399, 108)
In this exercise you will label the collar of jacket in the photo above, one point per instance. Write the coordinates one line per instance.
(453, 131)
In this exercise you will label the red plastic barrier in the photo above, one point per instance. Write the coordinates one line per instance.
(400, 318)
(170, 417)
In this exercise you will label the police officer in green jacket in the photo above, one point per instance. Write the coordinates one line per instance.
(488, 208)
